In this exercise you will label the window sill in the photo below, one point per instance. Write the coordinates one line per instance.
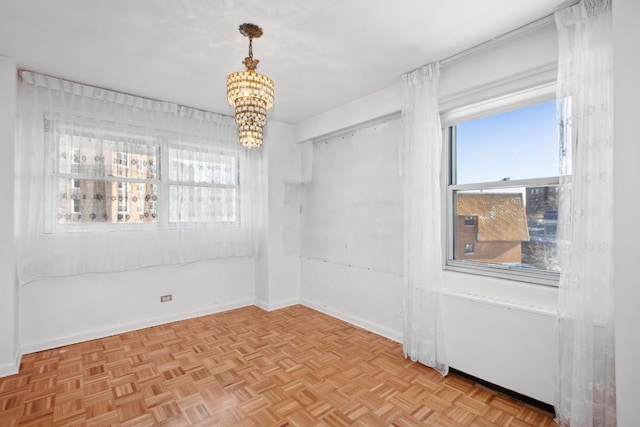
(533, 277)
(501, 292)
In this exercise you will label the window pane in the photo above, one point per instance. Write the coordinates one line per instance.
(202, 204)
(515, 227)
(519, 144)
(100, 157)
(83, 201)
(202, 168)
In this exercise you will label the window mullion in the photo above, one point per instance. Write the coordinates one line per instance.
(534, 182)
(106, 178)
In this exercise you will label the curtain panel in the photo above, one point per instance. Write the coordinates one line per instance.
(107, 181)
(420, 171)
(585, 225)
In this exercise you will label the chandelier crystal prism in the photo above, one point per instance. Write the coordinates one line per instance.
(250, 93)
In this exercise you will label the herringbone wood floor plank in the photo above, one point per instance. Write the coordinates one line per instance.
(247, 367)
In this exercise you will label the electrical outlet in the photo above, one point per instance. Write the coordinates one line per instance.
(166, 298)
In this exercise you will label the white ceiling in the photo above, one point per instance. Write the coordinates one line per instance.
(320, 53)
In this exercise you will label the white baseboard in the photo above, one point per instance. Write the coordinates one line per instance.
(364, 324)
(261, 304)
(276, 305)
(128, 327)
(7, 369)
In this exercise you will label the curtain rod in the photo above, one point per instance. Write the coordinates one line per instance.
(523, 29)
(499, 39)
(146, 98)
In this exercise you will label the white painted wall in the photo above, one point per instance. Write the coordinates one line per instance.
(626, 33)
(285, 174)
(8, 289)
(350, 211)
(278, 273)
(352, 229)
(59, 311)
(497, 330)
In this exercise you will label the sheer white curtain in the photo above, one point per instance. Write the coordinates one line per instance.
(585, 306)
(107, 181)
(420, 166)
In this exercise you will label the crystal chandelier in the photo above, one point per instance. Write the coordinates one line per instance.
(250, 93)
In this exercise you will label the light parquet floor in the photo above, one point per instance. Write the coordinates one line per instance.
(247, 367)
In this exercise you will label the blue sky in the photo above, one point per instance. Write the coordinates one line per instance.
(517, 144)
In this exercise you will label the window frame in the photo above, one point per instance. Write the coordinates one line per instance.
(167, 183)
(161, 181)
(449, 119)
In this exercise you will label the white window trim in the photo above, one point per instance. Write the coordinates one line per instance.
(530, 96)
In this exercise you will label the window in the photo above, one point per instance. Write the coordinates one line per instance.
(123, 203)
(61, 116)
(203, 186)
(153, 208)
(75, 157)
(122, 159)
(199, 185)
(503, 194)
(75, 206)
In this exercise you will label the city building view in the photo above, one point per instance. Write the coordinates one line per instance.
(105, 181)
(101, 184)
(507, 228)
